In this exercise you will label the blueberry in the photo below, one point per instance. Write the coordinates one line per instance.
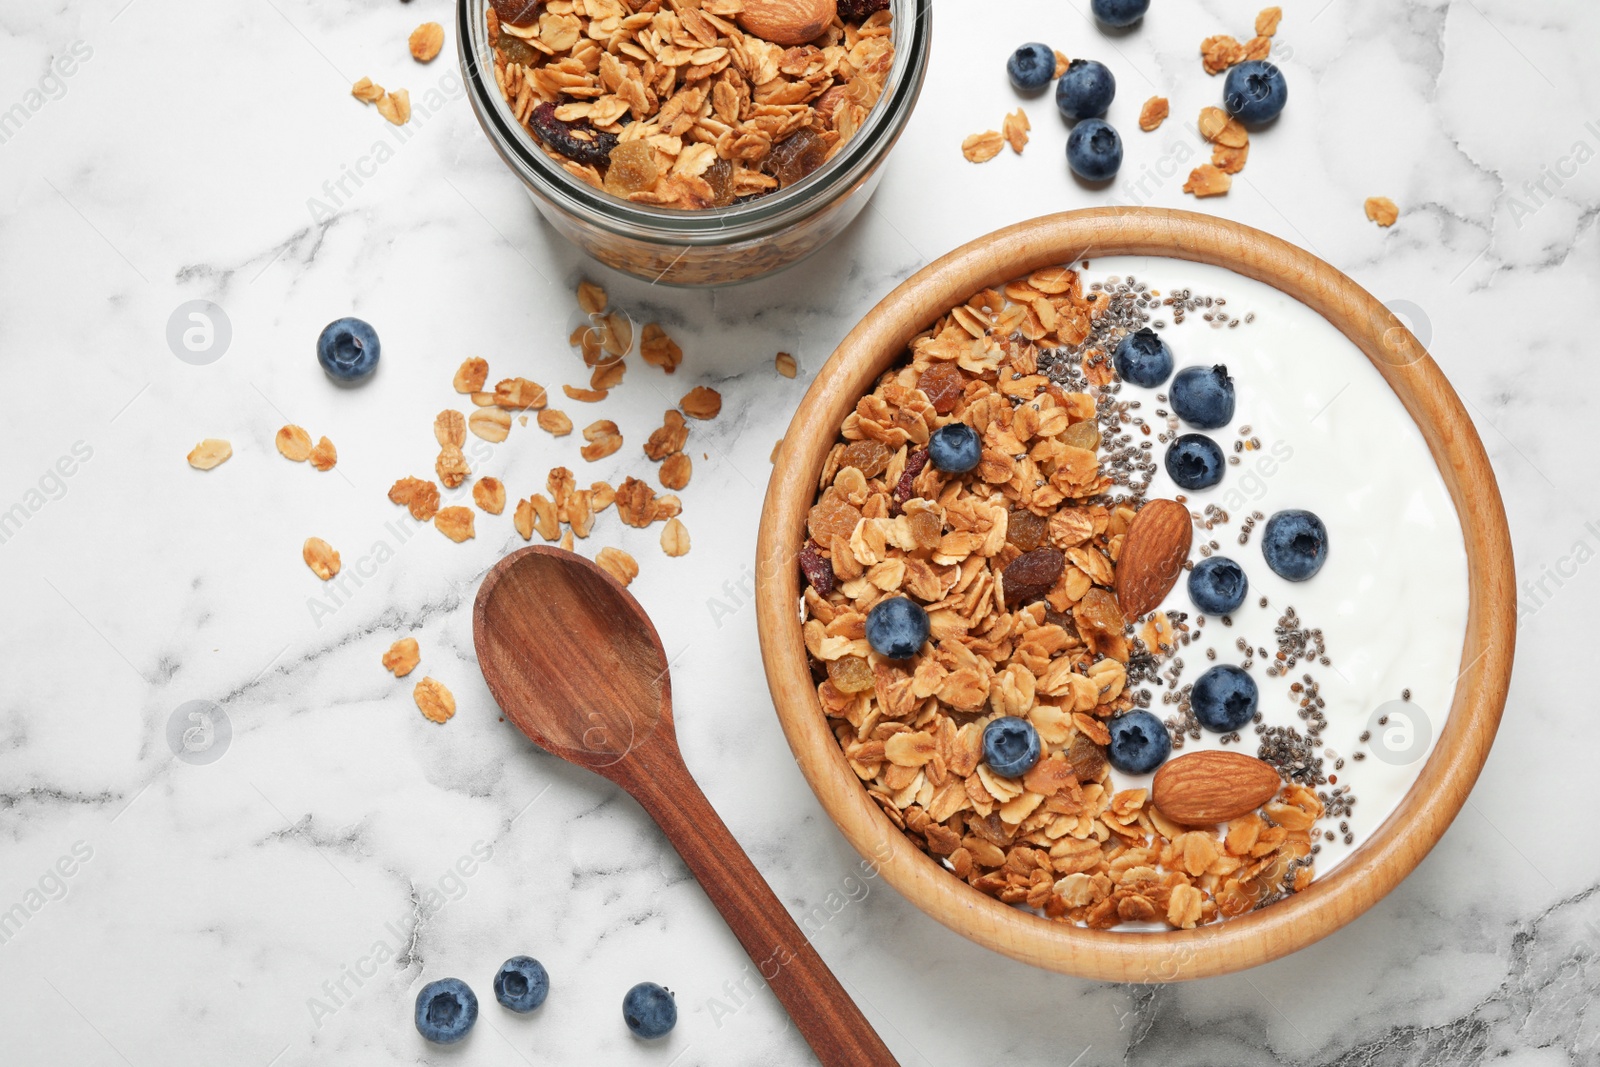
(1094, 150)
(1143, 358)
(1031, 67)
(348, 349)
(1217, 585)
(649, 1010)
(1203, 396)
(1011, 746)
(1255, 91)
(1085, 90)
(1224, 698)
(897, 627)
(1296, 544)
(1195, 461)
(446, 1010)
(955, 449)
(1139, 742)
(522, 983)
(1119, 12)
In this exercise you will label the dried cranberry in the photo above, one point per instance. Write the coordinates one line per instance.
(818, 571)
(578, 141)
(902, 490)
(517, 12)
(860, 10)
(1032, 575)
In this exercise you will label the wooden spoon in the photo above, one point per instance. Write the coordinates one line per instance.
(574, 662)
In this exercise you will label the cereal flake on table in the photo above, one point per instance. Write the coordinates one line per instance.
(210, 453)
(1382, 210)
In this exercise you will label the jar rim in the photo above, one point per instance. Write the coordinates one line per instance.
(773, 212)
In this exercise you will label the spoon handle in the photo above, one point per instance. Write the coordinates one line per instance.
(822, 1011)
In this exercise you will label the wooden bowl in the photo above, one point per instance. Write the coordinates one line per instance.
(1441, 788)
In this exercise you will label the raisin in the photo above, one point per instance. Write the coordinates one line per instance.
(860, 10)
(1032, 575)
(631, 169)
(943, 383)
(1086, 758)
(902, 489)
(796, 156)
(1082, 435)
(818, 571)
(720, 177)
(926, 529)
(1099, 613)
(578, 141)
(869, 457)
(850, 674)
(517, 12)
(832, 516)
(1026, 530)
(516, 50)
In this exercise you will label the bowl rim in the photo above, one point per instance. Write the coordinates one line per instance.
(1442, 785)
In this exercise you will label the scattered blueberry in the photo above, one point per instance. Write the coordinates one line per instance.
(649, 1010)
(348, 349)
(1195, 461)
(1295, 543)
(1139, 742)
(522, 983)
(1224, 698)
(1203, 396)
(1031, 67)
(1217, 585)
(1119, 12)
(956, 448)
(1085, 90)
(897, 627)
(1094, 150)
(1255, 91)
(1011, 746)
(1143, 358)
(446, 1010)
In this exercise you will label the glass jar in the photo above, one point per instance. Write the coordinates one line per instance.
(711, 246)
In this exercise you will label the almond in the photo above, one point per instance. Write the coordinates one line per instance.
(787, 22)
(1152, 556)
(1206, 788)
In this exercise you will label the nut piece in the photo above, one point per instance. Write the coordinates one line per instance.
(491, 424)
(1207, 180)
(618, 564)
(1154, 113)
(701, 402)
(786, 365)
(675, 537)
(786, 22)
(396, 107)
(436, 703)
(425, 41)
(402, 657)
(324, 455)
(1152, 557)
(320, 557)
(455, 523)
(1205, 788)
(451, 466)
(209, 453)
(490, 495)
(294, 443)
(1382, 210)
(471, 375)
(450, 428)
(675, 470)
(982, 147)
(366, 91)
(422, 497)
(555, 422)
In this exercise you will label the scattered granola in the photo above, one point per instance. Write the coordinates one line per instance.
(675, 470)
(554, 422)
(982, 147)
(618, 564)
(294, 444)
(455, 523)
(604, 439)
(450, 428)
(324, 455)
(1267, 21)
(320, 557)
(786, 365)
(421, 497)
(701, 402)
(436, 703)
(489, 494)
(1219, 53)
(425, 42)
(1382, 210)
(675, 538)
(396, 106)
(402, 657)
(659, 350)
(1153, 114)
(210, 453)
(471, 375)
(451, 467)
(490, 423)
(366, 91)
(1015, 129)
(1207, 180)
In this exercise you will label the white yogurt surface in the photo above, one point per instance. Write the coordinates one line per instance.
(1391, 599)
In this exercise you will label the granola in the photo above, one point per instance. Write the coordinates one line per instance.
(209, 453)
(402, 657)
(1015, 564)
(679, 105)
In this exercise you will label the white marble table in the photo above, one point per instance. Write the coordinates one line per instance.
(283, 903)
